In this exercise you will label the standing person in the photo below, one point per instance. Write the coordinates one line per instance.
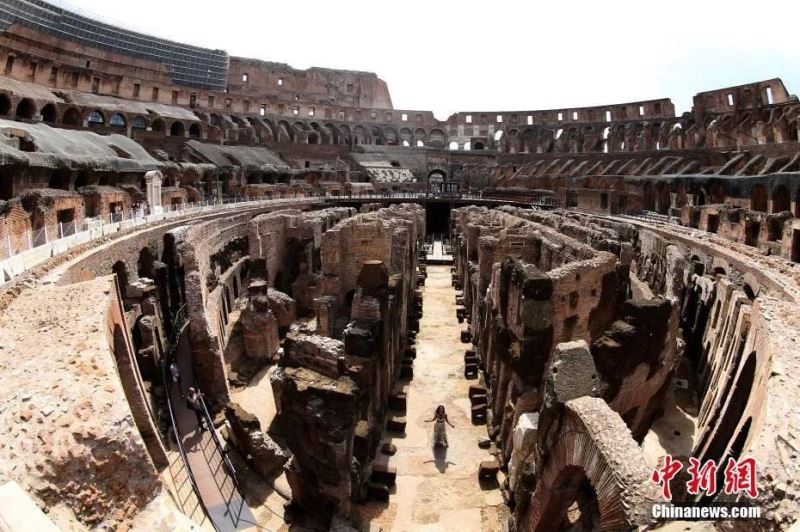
(176, 374)
(439, 432)
(194, 402)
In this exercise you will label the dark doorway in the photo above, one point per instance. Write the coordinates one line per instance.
(796, 245)
(437, 218)
(713, 223)
(751, 233)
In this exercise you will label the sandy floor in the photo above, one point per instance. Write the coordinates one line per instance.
(438, 491)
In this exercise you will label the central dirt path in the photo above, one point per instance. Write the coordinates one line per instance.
(438, 490)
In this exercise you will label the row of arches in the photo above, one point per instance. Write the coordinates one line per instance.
(774, 199)
(73, 116)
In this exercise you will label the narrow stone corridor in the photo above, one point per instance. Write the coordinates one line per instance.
(438, 490)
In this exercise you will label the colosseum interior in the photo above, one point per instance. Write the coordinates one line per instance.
(589, 292)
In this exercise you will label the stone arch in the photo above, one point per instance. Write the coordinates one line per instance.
(138, 122)
(177, 129)
(26, 109)
(437, 138)
(117, 120)
(49, 113)
(60, 179)
(420, 135)
(159, 126)
(96, 118)
(72, 117)
(194, 131)
(377, 136)
(593, 444)
(406, 137)
(359, 135)
(758, 198)
(728, 416)
(313, 138)
(333, 133)
(781, 199)
(390, 136)
(5, 105)
(285, 132)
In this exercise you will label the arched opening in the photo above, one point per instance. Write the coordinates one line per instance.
(159, 126)
(478, 146)
(177, 129)
(72, 117)
(59, 179)
(194, 131)
(313, 138)
(737, 396)
(96, 118)
(138, 123)
(420, 144)
(454, 146)
(49, 113)
(81, 181)
(572, 503)
(26, 109)
(5, 105)
(781, 199)
(758, 198)
(467, 146)
(701, 197)
(117, 120)
(498, 135)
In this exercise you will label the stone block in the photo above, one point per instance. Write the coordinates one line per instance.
(488, 469)
(478, 415)
(384, 474)
(396, 424)
(476, 389)
(398, 402)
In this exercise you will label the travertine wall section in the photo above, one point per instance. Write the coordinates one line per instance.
(528, 287)
(289, 244)
(338, 371)
(71, 434)
(740, 336)
(589, 442)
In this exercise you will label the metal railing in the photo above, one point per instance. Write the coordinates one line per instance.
(65, 235)
(179, 320)
(178, 323)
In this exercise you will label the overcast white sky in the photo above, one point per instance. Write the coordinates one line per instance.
(446, 55)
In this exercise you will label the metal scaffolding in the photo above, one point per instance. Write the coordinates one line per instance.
(188, 65)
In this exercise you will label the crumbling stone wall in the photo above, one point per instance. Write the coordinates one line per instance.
(72, 435)
(337, 373)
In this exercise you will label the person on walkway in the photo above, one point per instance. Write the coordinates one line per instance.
(439, 432)
(194, 401)
(176, 373)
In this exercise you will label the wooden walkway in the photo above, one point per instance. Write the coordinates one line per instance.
(225, 505)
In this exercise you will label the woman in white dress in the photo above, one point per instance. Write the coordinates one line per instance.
(439, 432)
